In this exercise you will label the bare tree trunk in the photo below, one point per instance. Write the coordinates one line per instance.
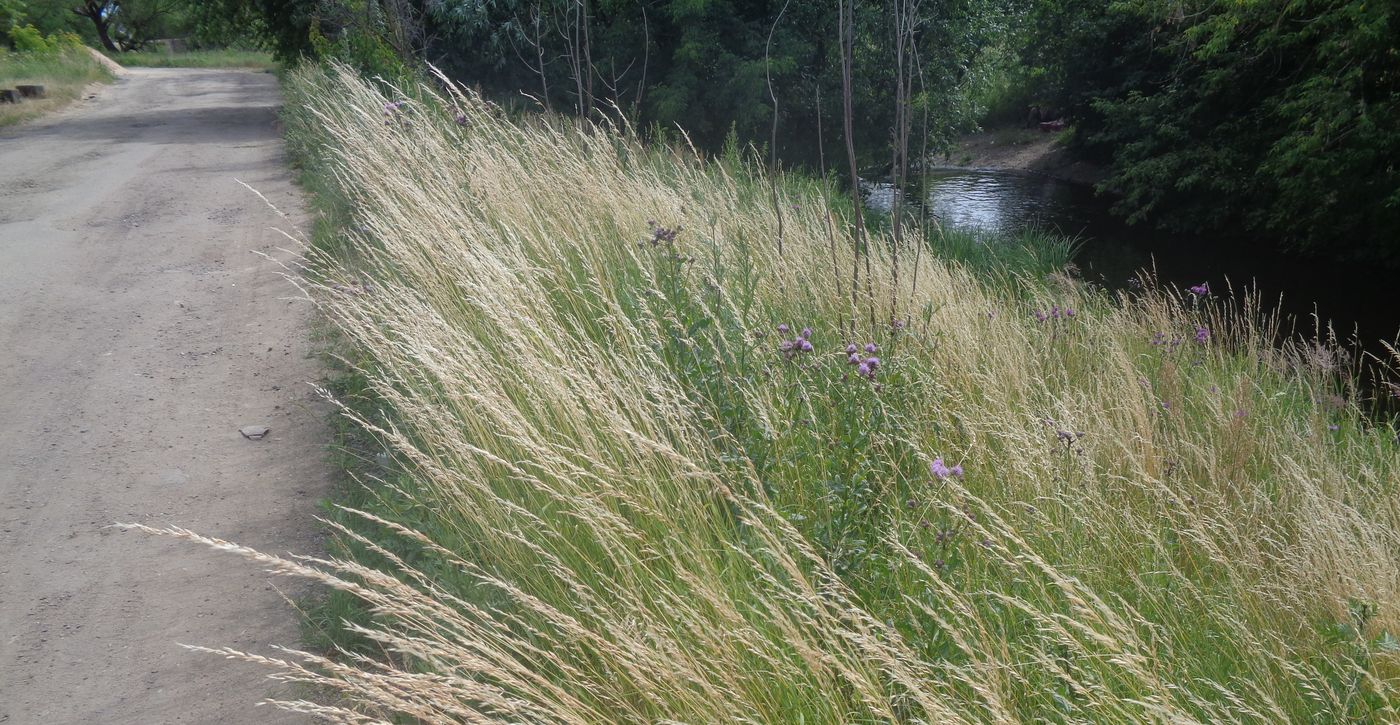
(830, 232)
(846, 32)
(538, 65)
(580, 56)
(646, 56)
(536, 14)
(773, 136)
(97, 11)
(923, 181)
(576, 59)
(587, 53)
(905, 16)
(105, 36)
(536, 20)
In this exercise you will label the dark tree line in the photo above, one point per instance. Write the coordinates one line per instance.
(1278, 120)
(1274, 120)
(129, 25)
(715, 69)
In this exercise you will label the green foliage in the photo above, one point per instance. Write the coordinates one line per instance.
(1279, 119)
(227, 25)
(28, 39)
(200, 59)
(56, 16)
(11, 14)
(703, 67)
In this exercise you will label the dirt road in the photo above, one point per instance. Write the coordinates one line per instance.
(138, 332)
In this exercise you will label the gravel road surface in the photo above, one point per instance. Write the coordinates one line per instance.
(138, 332)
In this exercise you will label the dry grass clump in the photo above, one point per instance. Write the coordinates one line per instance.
(622, 493)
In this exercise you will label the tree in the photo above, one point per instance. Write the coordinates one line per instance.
(127, 24)
(1277, 120)
(100, 12)
(11, 15)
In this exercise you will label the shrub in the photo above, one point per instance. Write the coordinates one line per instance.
(28, 39)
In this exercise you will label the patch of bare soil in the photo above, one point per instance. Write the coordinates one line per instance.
(1026, 150)
(111, 65)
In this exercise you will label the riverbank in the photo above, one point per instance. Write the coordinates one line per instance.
(1024, 150)
(634, 434)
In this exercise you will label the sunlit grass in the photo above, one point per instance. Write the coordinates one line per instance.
(617, 486)
(64, 75)
(223, 58)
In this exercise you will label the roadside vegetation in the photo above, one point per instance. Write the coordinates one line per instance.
(218, 58)
(59, 63)
(649, 437)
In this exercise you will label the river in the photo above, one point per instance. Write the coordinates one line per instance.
(1359, 300)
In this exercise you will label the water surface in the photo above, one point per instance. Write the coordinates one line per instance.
(1358, 299)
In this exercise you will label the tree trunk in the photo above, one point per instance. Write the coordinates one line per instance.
(846, 29)
(104, 36)
(95, 11)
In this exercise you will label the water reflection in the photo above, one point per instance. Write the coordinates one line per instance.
(1356, 298)
(1004, 203)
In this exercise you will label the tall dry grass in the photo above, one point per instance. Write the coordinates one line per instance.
(614, 497)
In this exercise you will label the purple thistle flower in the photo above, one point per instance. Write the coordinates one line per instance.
(785, 345)
(1202, 334)
(805, 345)
(783, 328)
(863, 370)
(851, 349)
(806, 333)
(854, 359)
(1040, 316)
(941, 471)
(871, 348)
(1200, 290)
(872, 362)
(1069, 312)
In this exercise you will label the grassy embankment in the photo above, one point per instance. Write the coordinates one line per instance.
(198, 59)
(614, 489)
(64, 74)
